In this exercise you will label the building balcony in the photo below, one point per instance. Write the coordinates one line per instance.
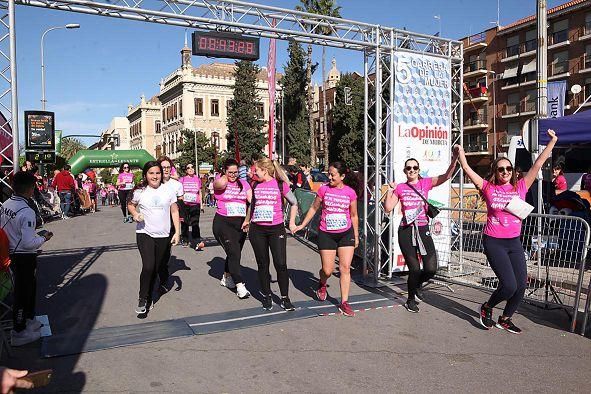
(476, 41)
(585, 64)
(526, 108)
(476, 144)
(585, 32)
(558, 70)
(522, 50)
(477, 120)
(475, 69)
(476, 95)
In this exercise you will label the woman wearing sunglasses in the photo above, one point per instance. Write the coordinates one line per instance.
(501, 242)
(125, 184)
(191, 207)
(414, 236)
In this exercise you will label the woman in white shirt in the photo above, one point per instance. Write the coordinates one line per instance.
(151, 207)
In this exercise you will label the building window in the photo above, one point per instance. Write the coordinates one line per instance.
(587, 61)
(587, 27)
(215, 107)
(529, 102)
(260, 107)
(181, 108)
(215, 139)
(199, 106)
(159, 151)
(586, 89)
(163, 115)
(512, 104)
(559, 63)
(559, 31)
(158, 127)
(531, 40)
(512, 46)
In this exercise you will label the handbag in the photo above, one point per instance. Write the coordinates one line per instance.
(432, 210)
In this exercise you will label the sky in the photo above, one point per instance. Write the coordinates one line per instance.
(93, 73)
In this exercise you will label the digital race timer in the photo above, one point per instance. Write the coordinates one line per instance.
(229, 45)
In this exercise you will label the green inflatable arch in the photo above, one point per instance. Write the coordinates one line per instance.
(108, 158)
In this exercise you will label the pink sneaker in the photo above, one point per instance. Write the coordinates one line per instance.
(321, 292)
(346, 309)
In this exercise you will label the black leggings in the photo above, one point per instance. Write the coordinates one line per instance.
(416, 276)
(152, 251)
(123, 201)
(507, 259)
(263, 238)
(24, 267)
(191, 214)
(228, 232)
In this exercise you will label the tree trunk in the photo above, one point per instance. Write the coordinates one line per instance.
(311, 107)
(324, 109)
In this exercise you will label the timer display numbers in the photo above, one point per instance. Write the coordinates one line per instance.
(228, 45)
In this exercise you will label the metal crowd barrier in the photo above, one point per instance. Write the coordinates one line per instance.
(555, 250)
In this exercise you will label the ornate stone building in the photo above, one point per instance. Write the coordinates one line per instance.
(145, 126)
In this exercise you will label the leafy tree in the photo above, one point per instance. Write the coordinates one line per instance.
(294, 103)
(105, 174)
(71, 146)
(242, 113)
(205, 150)
(346, 143)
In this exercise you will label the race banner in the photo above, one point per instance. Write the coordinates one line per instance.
(556, 95)
(422, 130)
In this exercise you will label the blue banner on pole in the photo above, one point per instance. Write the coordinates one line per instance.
(556, 96)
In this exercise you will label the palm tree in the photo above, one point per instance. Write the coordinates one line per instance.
(70, 146)
(326, 8)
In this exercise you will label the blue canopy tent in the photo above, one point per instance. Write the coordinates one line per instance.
(571, 129)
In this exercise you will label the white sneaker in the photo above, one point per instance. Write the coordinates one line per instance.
(241, 291)
(34, 325)
(228, 282)
(24, 337)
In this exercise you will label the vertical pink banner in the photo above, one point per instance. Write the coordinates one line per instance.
(271, 83)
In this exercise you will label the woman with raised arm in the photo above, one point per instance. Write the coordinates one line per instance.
(231, 222)
(339, 229)
(501, 242)
(414, 236)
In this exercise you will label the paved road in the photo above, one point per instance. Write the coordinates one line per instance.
(88, 279)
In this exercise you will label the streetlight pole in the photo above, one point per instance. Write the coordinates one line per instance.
(68, 26)
(195, 148)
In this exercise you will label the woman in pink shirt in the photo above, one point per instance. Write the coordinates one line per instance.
(501, 242)
(558, 179)
(414, 236)
(125, 184)
(339, 229)
(191, 207)
(267, 230)
(230, 223)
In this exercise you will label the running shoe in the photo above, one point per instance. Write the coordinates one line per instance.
(419, 295)
(228, 282)
(286, 304)
(346, 309)
(200, 246)
(241, 291)
(267, 302)
(486, 319)
(507, 324)
(321, 292)
(411, 306)
(141, 306)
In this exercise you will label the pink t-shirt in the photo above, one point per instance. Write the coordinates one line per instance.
(191, 189)
(560, 183)
(336, 208)
(127, 179)
(411, 204)
(586, 182)
(232, 201)
(500, 223)
(268, 203)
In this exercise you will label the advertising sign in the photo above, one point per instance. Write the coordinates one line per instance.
(556, 95)
(39, 130)
(422, 131)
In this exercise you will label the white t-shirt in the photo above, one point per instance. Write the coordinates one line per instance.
(154, 205)
(174, 186)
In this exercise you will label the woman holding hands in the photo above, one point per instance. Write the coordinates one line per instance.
(414, 236)
(501, 241)
(339, 229)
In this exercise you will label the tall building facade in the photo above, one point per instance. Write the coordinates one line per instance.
(116, 136)
(323, 124)
(198, 98)
(500, 76)
(145, 126)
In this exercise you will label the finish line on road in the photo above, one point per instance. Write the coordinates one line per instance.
(135, 334)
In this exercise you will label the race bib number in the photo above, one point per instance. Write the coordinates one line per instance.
(263, 213)
(236, 209)
(129, 186)
(190, 197)
(336, 221)
(412, 214)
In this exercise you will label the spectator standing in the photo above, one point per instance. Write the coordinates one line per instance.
(558, 179)
(18, 219)
(65, 186)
